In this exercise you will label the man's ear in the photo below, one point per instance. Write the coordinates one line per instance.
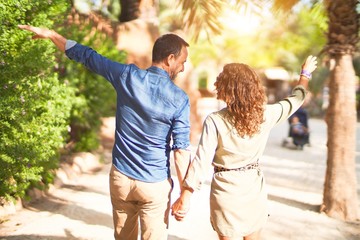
(170, 59)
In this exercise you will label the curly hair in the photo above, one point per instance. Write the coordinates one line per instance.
(241, 89)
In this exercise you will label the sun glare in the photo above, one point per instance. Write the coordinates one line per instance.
(244, 21)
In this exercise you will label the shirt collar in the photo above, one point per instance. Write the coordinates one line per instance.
(158, 70)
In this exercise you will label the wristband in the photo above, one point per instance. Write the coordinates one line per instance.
(305, 73)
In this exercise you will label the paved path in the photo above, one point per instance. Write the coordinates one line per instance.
(82, 210)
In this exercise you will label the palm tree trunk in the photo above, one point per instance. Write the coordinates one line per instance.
(129, 10)
(340, 195)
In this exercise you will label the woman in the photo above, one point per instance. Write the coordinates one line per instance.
(233, 141)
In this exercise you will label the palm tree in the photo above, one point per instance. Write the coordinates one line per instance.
(340, 188)
(130, 10)
(340, 196)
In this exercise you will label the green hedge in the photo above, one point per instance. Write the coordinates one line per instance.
(34, 105)
(46, 100)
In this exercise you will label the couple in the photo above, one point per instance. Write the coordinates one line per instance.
(152, 118)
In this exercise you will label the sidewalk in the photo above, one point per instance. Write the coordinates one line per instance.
(82, 209)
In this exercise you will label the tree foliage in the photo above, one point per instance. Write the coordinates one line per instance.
(278, 40)
(95, 97)
(46, 100)
(34, 105)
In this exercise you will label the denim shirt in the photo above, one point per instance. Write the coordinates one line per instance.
(152, 114)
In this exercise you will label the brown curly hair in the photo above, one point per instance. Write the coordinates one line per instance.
(241, 89)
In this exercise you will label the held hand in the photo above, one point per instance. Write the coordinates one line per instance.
(180, 208)
(310, 64)
(39, 32)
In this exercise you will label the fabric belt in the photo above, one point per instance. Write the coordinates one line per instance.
(247, 167)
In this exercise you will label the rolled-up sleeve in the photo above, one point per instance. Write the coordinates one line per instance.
(181, 127)
(69, 44)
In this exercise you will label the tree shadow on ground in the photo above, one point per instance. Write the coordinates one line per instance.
(69, 236)
(80, 188)
(170, 237)
(294, 203)
(71, 210)
(34, 237)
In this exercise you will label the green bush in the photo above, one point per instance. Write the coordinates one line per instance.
(46, 100)
(34, 105)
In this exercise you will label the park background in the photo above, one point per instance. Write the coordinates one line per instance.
(52, 109)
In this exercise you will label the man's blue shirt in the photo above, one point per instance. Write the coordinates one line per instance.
(152, 115)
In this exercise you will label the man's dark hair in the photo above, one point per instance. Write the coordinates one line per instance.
(167, 44)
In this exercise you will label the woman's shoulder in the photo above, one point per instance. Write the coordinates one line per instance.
(218, 119)
(221, 114)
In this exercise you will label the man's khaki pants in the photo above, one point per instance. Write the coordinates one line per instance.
(132, 199)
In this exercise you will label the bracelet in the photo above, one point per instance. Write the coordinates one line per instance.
(305, 73)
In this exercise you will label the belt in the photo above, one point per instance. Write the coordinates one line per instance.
(247, 167)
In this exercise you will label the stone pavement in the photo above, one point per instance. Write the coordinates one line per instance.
(82, 210)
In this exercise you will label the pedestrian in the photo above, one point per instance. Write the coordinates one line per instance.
(298, 131)
(152, 118)
(298, 139)
(233, 141)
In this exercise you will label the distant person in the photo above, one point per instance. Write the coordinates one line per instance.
(233, 141)
(302, 115)
(151, 111)
(297, 139)
(297, 127)
(298, 132)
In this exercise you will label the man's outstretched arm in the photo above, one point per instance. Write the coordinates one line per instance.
(45, 33)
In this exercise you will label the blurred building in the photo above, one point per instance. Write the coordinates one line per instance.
(277, 82)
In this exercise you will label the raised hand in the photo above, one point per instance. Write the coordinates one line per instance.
(44, 33)
(39, 32)
(310, 64)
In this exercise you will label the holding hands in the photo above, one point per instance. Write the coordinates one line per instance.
(182, 205)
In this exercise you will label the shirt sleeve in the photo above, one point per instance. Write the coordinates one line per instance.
(181, 127)
(282, 110)
(69, 44)
(199, 168)
(93, 61)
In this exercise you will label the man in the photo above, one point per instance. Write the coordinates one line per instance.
(151, 111)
